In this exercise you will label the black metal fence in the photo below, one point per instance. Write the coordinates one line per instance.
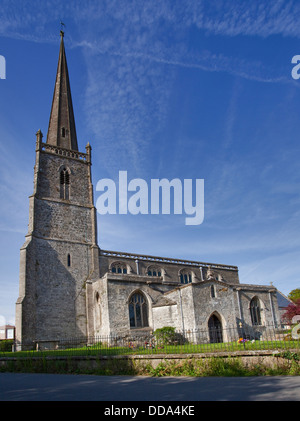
(170, 342)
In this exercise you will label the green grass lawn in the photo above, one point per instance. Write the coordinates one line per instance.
(104, 349)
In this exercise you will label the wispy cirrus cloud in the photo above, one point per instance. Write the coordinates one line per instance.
(133, 61)
(255, 18)
(133, 50)
(205, 60)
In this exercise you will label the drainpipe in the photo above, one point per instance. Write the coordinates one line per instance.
(239, 303)
(201, 273)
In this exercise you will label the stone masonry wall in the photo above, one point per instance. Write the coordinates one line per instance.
(58, 258)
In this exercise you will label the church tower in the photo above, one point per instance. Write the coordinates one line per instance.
(60, 252)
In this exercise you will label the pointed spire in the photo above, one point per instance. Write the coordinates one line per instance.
(61, 130)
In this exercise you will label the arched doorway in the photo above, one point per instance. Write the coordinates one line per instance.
(215, 329)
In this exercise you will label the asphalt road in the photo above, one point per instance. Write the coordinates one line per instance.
(60, 387)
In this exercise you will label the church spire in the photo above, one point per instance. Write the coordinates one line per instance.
(61, 130)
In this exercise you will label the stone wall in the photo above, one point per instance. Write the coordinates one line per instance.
(268, 302)
(137, 364)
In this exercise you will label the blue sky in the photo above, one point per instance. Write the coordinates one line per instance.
(164, 89)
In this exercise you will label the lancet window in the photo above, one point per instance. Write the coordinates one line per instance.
(64, 184)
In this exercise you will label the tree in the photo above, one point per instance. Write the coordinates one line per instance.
(293, 309)
(294, 295)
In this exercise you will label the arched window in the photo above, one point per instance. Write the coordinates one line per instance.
(212, 291)
(255, 311)
(64, 184)
(185, 276)
(138, 311)
(154, 271)
(119, 267)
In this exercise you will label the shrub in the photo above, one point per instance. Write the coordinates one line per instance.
(165, 336)
(6, 345)
(289, 355)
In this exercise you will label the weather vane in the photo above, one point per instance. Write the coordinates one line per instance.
(62, 25)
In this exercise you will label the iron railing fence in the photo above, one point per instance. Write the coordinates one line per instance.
(188, 341)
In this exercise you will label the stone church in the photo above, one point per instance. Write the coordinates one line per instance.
(70, 287)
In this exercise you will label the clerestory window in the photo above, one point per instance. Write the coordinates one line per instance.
(119, 268)
(185, 276)
(153, 271)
